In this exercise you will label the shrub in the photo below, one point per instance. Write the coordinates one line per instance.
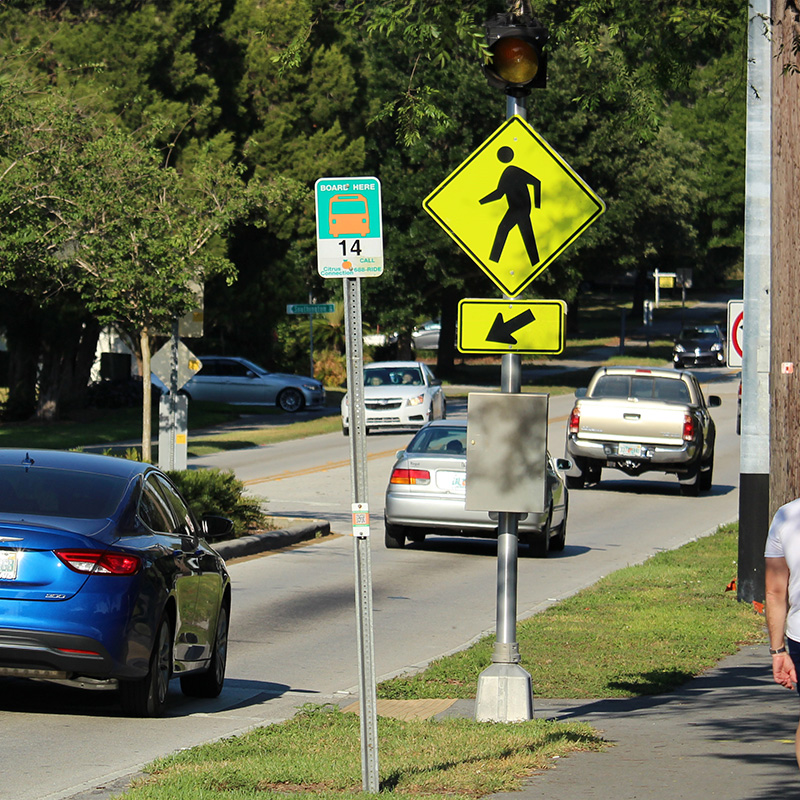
(330, 368)
(213, 491)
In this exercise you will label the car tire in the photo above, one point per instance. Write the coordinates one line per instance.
(394, 536)
(558, 540)
(345, 430)
(588, 472)
(706, 478)
(147, 697)
(291, 400)
(539, 543)
(209, 683)
(575, 481)
(593, 474)
(415, 535)
(690, 483)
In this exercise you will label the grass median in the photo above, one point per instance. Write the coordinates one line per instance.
(645, 629)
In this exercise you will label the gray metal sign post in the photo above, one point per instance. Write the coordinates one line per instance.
(350, 246)
(505, 690)
(358, 481)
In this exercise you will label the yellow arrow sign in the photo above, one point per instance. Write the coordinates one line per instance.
(514, 205)
(511, 326)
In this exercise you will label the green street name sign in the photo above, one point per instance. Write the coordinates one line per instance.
(310, 308)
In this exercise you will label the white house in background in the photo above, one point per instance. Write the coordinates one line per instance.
(114, 359)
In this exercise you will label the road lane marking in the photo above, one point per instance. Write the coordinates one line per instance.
(298, 473)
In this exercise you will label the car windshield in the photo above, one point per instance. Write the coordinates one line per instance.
(700, 332)
(40, 491)
(642, 388)
(393, 376)
(440, 440)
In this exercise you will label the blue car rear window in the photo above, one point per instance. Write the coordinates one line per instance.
(40, 491)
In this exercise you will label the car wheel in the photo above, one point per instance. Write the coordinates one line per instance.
(690, 483)
(394, 536)
(593, 474)
(345, 430)
(558, 541)
(575, 481)
(291, 400)
(539, 543)
(678, 365)
(147, 697)
(209, 683)
(415, 535)
(706, 478)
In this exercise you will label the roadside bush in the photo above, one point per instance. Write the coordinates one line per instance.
(213, 491)
(330, 368)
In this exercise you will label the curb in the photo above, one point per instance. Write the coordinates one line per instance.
(272, 540)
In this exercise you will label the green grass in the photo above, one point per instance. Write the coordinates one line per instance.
(643, 630)
(317, 753)
(236, 440)
(647, 628)
(99, 427)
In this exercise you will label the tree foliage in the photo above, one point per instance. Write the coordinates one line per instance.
(144, 144)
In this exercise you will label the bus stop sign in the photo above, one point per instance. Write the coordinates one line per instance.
(349, 227)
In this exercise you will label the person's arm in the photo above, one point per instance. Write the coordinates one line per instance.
(777, 597)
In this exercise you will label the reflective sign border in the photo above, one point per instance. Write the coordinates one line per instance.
(555, 339)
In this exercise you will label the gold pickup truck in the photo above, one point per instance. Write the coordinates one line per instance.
(637, 420)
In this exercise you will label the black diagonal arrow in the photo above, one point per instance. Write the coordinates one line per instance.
(502, 331)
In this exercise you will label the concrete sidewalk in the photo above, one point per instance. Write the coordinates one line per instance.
(728, 734)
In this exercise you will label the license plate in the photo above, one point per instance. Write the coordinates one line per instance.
(8, 565)
(630, 450)
(451, 481)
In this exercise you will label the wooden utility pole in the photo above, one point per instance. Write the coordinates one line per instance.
(785, 304)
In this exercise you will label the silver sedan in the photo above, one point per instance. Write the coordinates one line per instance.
(427, 493)
(234, 380)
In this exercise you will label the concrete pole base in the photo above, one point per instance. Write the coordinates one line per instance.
(505, 694)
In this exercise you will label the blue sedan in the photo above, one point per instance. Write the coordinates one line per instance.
(107, 581)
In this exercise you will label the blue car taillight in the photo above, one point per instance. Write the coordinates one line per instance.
(100, 562)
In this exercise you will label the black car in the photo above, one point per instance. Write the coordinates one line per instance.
(699, 346)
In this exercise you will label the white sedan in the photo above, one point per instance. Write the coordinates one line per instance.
(398, 394)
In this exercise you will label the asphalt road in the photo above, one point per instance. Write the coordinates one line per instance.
(293, 623)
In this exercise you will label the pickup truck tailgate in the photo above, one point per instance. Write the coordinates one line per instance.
(639, 421)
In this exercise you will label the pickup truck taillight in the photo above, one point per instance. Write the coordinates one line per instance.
(575, 420)
(689, 427)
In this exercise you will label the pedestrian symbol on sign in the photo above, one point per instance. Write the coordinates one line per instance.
(513, 185)
(516, 240)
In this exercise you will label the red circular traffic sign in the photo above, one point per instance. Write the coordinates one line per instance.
(737, 332)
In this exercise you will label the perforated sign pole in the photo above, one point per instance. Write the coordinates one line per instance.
(358, 475)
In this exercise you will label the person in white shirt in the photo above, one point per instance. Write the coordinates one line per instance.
(782, 574)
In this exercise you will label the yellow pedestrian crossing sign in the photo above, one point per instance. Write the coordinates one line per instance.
(514, 205)
(511, 326)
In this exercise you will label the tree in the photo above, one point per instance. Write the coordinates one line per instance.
(115, 227)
